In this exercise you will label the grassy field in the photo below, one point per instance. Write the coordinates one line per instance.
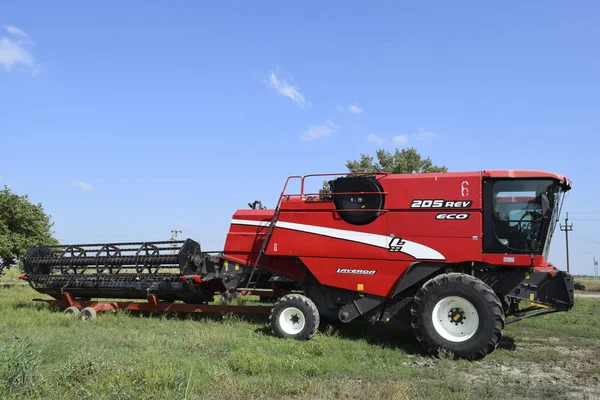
(11, 275)
(46, 354)
(591, 284)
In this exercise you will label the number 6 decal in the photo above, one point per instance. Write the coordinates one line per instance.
(464, 189)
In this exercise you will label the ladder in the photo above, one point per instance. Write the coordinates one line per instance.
(263, 249)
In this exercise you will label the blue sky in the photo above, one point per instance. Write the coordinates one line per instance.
(128, 120)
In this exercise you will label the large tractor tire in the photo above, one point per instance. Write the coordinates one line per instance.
(458, 313)
(294, 316)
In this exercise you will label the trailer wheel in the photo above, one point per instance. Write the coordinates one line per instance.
(458, 313)
(294, 316)
(87, 313)
(72, 311)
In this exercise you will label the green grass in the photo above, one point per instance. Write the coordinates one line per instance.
(11, 275)
(591, 284)
(45, 354)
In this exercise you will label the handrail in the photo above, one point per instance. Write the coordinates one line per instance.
(336, 193)
(336, 174)
(288, 181)
(302, 186)
(329, 193)
(348, 173)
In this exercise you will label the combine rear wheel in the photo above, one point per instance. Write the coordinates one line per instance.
(458, 313)
(294, 316)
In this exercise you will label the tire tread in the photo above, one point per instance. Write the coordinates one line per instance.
(478, 285)
(312, 317)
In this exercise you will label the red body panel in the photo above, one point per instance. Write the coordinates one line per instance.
(403, 189)
(380, 284)
(312, 230)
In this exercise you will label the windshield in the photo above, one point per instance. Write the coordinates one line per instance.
(525, 213)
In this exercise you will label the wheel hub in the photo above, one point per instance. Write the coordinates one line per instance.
(292, 320)
(455, 319)
(457, 316)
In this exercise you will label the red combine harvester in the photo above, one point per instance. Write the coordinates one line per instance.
(455, 255)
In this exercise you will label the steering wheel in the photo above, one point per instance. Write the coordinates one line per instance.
(536, 217)
(524, 225)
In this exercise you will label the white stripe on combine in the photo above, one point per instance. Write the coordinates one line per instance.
(413, 249)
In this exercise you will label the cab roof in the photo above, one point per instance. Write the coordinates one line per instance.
(505, 173)
(522, 173)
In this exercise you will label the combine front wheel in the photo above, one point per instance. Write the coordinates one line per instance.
(294, 316)
(459, 313)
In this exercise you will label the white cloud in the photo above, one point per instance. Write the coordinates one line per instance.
(13, 30)
(424, 135)
(83, 186)
(375, 139)
(353, 108)
(400, 139)
(318, 131)
(287, 90)
(403, 139)
(14, 52)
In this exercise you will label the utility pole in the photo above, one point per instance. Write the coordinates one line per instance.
(567, 228)
(174, 238)
(596, 276)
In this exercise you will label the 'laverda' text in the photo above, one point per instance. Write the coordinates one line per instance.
(356, 271)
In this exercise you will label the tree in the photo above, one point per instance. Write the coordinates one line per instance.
(405, 161)
(22, 225)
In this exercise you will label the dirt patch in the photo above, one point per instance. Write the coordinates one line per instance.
(529, 380)
(588, 295)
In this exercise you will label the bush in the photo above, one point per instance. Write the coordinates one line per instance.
(579, 286)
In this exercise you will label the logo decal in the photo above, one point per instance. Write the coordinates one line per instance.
(396, 244)
(413, 249)
(356, 271)
(452, 216)
(441, 203)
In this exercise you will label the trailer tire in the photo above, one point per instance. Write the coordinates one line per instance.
(72, 311)
(87, 314)
(294, 316)
(458, 313)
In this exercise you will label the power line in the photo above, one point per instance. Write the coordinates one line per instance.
(174, 238)
(589, 242)
(567, 228)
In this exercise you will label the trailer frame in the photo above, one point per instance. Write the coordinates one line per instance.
(153, 305)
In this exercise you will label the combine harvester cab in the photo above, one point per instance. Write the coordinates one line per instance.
(454, 255)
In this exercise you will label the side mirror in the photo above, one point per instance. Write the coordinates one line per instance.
(545, 205)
